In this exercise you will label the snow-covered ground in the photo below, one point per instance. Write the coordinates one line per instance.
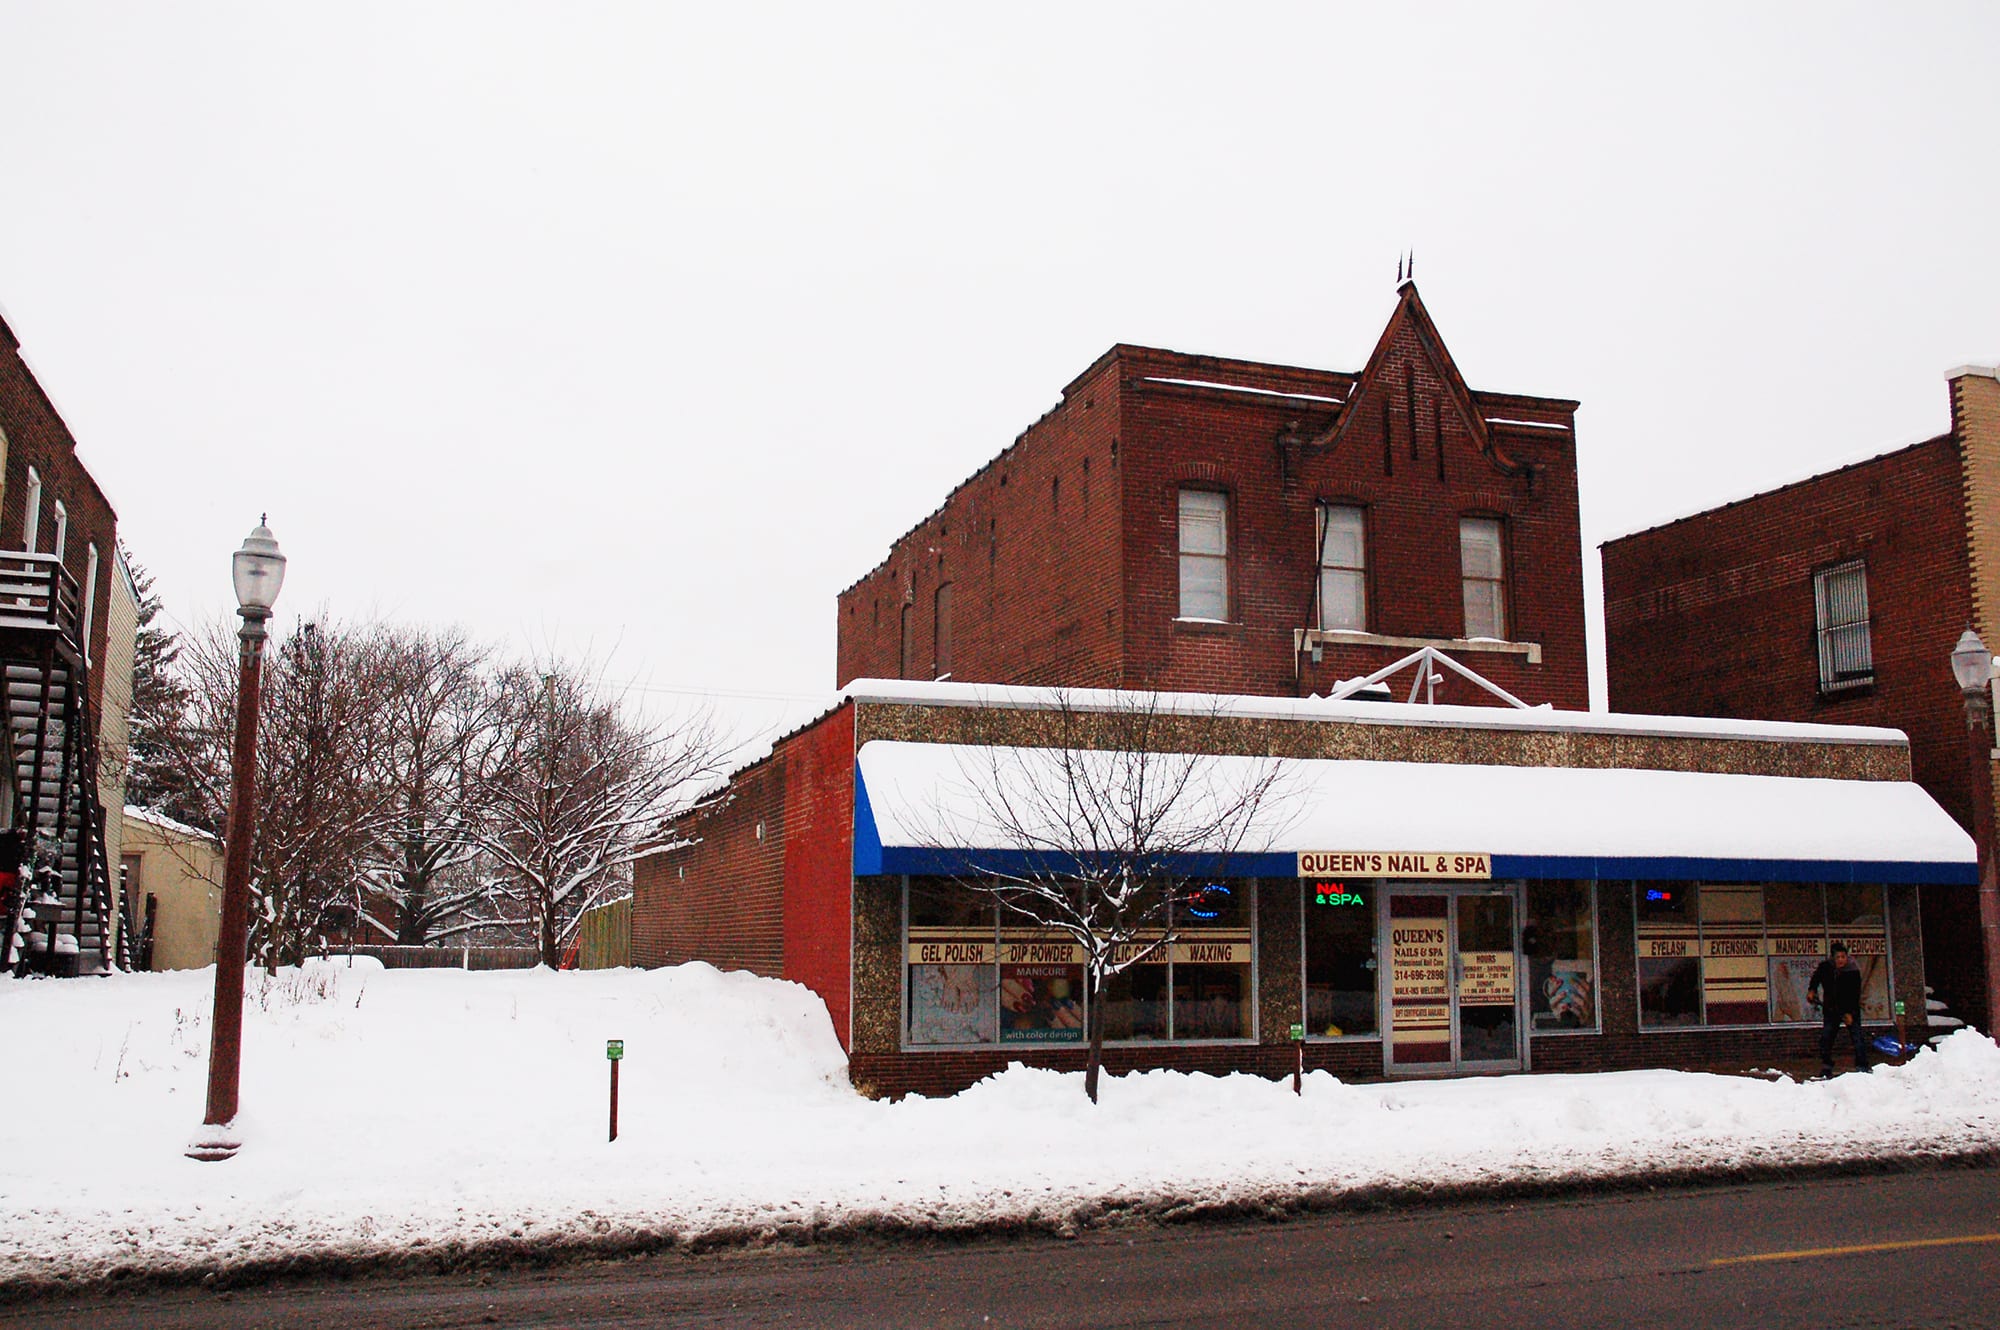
(412, 1109)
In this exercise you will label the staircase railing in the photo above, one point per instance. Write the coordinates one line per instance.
(36, 591)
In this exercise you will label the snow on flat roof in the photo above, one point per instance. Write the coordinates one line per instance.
(931, 795)
(1242, 388)
(1356, 712)
(134, 813)
(1527, 424)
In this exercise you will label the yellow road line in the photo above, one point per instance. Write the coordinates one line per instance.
(1811, 1252)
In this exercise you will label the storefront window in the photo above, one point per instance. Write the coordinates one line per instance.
(1732, 954)
(1041, 985)
(974, 978)
(1559, 943)
(1795, 943)
(1855, 915)
(1211, 963)
(1135, 1003)
(1669, 954)
(1342, 988)
(950, 965)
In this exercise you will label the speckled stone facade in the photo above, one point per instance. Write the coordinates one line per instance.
(1280, 974)
(878, 967)
(1391, 742)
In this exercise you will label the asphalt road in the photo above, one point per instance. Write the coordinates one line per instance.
(1904, 1250)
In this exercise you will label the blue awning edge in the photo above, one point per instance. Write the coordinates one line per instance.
(867, 837)
(871, 857)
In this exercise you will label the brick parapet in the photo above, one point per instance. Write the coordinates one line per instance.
(1262, 737)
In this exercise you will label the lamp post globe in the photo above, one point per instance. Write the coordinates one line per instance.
(257, 571)
(1971, 663)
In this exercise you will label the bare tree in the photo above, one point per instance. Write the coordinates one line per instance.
(574, 788)
(319, 806)
(420, 873)
(1097, 824)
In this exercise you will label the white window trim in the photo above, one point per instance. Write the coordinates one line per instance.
(1323, 521)
(1830, 679)
(1466, 578)
(31, 514)
(89, 596)
(1218, 558)
(61, 548)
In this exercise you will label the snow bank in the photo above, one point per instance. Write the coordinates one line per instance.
(404, 1111)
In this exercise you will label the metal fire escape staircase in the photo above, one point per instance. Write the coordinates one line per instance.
(60, 919)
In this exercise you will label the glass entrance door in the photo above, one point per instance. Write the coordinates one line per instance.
(1487, 990)
(1453, 981)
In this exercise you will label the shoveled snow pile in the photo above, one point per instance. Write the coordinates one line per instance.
(391, 1112)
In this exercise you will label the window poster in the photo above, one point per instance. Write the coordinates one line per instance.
(1486, 978)
(1419, 990)
(1565, 997)
(1793, 956)
(952, 1004)
(1041, 1004)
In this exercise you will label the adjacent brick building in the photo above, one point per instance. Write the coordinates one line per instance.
(1836, 599)
(58, 563)
(1193, 522)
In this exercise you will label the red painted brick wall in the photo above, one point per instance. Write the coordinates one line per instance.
(1063, 552)
(777, 903)
(1713, 615)
(719, 898)
(37, 437)
(819, 863)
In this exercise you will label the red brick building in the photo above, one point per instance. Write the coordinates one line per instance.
(1214, 525)
(58, 551)
(1836, 599)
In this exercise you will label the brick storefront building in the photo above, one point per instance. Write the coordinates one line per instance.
(1191, 522)
(1242, 544)
(1838, 600)
(1645, 891)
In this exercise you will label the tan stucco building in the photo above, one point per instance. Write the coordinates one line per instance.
(173, 881)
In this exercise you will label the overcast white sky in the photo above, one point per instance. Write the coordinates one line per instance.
(644, 330)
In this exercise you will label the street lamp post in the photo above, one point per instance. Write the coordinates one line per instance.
(258, 570)
(1972, 666)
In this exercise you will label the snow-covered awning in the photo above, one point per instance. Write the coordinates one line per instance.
(921, 808)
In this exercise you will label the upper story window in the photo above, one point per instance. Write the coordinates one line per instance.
(1204, 555)
(61, 547)
(1343, 567)
(941, 632)
(31, 514)
(1483, 571)
(1840, 607)
(906, 649)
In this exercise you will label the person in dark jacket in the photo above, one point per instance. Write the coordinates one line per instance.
(1836, 990)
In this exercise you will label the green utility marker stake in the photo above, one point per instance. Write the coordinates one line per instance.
(615, 1050)
(1299, 1068)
